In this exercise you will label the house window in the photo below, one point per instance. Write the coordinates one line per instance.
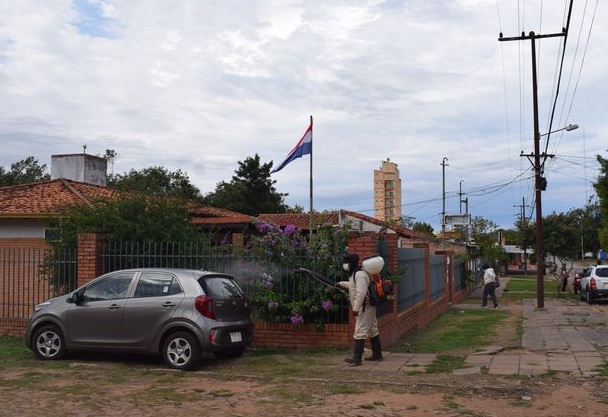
(51, 235)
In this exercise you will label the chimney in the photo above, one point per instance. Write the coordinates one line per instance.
(80, 167)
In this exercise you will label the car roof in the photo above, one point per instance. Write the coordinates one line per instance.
(173, 270)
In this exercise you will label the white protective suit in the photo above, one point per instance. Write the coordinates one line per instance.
(366, 324)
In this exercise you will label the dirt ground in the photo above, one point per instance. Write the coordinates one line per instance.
(165, 393)
(109, 387)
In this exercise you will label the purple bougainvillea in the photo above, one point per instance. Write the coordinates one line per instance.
(296, 319)
(289, 229)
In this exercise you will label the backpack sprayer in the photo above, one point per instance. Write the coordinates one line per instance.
(322, 279)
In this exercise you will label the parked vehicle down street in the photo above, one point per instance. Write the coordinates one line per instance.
(594, 283)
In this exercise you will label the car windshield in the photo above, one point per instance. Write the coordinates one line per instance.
(220, 287)
(601, 272)
(109, 288)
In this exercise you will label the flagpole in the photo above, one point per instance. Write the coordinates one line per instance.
(311, 206)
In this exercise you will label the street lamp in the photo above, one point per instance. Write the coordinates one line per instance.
(540, 185)
(568, 128)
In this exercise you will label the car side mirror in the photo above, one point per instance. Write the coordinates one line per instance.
(75, 297)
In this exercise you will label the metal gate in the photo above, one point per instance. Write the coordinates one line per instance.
(411, 277)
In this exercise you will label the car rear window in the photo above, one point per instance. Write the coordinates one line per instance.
(601, 272)
(156, 285)
(220, 287)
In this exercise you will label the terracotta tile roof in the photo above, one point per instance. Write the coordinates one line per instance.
(216, 216)
(47, 198)
(207, 211)
(300, 220)
(43, 199)
(401, 231)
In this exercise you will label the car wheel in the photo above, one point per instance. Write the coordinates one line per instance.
(182, 351)
(589, 297)
(48, 343)
(230, 353)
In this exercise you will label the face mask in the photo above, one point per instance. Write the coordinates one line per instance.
(346, 267)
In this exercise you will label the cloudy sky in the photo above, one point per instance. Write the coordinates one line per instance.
(199, 85)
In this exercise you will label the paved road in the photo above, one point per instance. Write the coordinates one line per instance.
(565, 336)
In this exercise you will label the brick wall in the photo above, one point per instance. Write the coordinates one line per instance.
(287, 335)
(23, 243)
(89, 258)
(20, 286)
(13, 326)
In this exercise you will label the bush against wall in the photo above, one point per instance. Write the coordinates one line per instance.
(282, 294)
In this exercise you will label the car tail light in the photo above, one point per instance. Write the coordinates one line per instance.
(203, 304)
(592, 283)
(212, 335)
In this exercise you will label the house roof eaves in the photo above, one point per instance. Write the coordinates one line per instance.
(221, 220)
(30, 215)
(401, 231)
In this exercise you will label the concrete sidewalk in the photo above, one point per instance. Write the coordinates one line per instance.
(565, 336)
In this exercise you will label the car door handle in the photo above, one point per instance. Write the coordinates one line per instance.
(168, 304)
(114, 307)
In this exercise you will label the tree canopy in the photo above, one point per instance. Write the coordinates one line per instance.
(156, 180)
(601, 189)
(485, 235)
(561, 238)
(25, 171)
(251, 190)
(410, 222)
(134, 218)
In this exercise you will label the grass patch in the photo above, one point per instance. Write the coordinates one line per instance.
(454, 330)
(602, 370)
(278, 364)
(522, 283)
(446, 363)
(371, 406)
(520, 287)
(13, 352)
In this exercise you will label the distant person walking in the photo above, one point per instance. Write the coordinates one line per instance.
(564, 277)
(489, 286)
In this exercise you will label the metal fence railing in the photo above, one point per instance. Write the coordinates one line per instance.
(30, 276)
(278, 293)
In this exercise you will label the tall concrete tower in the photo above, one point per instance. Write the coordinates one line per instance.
(387, 192)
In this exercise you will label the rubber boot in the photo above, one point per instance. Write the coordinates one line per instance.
(357, 358)
(376, 349)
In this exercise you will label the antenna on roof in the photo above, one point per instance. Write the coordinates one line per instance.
(84, 148)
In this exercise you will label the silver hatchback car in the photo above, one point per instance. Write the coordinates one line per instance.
(177, 313)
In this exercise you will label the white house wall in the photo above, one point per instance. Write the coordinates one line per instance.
(18, 228)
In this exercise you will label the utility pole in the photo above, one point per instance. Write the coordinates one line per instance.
(443, 165)
(460, 196)
(522, 225)
(466, 211)
(522, 209)
(539, 181)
